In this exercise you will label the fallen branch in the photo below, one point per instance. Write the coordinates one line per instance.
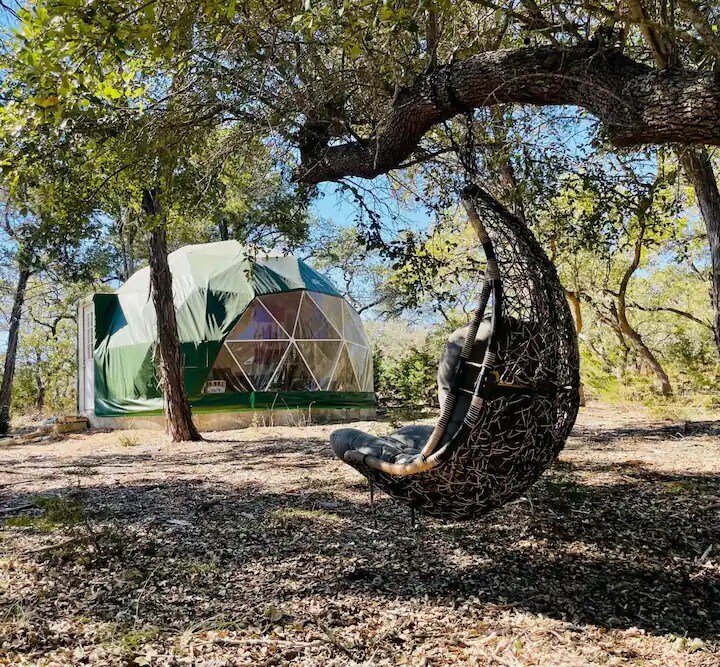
(333, 639)
(57, 545)
(17, 508)
(40, 434)
(265, 642)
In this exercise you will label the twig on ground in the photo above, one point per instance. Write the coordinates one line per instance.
(334, 640)
(17, 508)
(57, 545)
(283, 643)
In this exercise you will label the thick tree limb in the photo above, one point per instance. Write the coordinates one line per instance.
(635, 103)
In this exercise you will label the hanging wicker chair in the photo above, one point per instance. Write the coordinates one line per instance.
(512, 397)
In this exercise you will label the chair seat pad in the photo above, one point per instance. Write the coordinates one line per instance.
(402, 446)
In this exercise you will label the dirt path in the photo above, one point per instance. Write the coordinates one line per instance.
(258, 548)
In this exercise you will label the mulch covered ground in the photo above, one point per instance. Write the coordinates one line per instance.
(258, 548)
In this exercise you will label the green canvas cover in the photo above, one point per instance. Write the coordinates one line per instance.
(213, 284)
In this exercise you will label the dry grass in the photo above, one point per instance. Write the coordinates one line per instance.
(258, 548)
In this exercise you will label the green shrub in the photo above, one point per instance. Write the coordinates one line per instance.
(408, 380)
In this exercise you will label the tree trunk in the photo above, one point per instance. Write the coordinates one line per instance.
(651, 360)
(576, 308)
(11, 351)
(178, 414)
(700, 173)
(40, 397)
(620, 313)
(224, 230)
(126, 235)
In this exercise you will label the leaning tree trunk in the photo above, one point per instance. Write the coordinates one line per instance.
(574, 300)
(619, 312)
(700, 173)
(178, 414)
(11, 351)
(647, 355)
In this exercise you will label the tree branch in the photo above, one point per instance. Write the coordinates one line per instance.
(675, 311)
(635, 103)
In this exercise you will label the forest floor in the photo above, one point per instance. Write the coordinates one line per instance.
(256, 547)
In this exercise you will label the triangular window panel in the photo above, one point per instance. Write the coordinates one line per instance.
(344, 376)
(331, 307)
(293, 374)
(258, 360)
(358, 358)
(321, 358)
(352, 326)
(256, 323)
(368, 381)
(312, 323)
(225, 375)
(284, 308)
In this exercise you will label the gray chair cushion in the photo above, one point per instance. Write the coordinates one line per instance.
(451, 354)
(446, 369)
(406, 443)
(399, 447)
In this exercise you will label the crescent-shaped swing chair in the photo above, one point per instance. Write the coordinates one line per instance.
(508, 385)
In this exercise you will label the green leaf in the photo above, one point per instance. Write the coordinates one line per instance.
(47, 102)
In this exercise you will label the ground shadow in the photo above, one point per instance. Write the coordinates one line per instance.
(674, 431)
(621, 555)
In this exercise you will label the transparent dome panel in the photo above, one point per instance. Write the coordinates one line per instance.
(293, 374)
(258, 360)
(321, 358)
(284, 308)
(344, 377)
(256, 323)
(331, 307)
(368, 381)
(359, 358)
(352, 326)
(226, 370)
(311, 323)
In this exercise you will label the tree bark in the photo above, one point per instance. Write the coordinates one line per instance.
(636, 104)
(700, 173)
(40, 397)
(646, 353)
(576, 309)
(623, 324)
(224, 230)
(695, 163)
(11, 351)
(126, 244)
(178, 414)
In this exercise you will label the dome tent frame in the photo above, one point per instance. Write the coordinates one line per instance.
(215, 286)
(341, 334)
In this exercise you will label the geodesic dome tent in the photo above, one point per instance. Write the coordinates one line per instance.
(257, 331)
